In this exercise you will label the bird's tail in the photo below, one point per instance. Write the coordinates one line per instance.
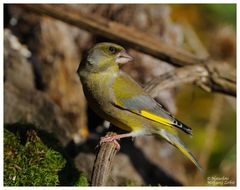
(174, 140)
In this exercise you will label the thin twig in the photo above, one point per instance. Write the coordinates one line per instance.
(216, 77)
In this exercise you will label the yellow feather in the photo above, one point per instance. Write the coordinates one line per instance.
(155, 118)
(186, 153)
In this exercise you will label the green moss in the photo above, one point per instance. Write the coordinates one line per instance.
(82, 181)
(131, 183)
(29, 162)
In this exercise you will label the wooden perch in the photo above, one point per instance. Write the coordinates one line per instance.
(117, 32)
(103, 162)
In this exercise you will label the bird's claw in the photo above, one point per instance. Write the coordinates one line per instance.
(110, 139)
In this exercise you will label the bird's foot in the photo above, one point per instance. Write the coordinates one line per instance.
(113, 139)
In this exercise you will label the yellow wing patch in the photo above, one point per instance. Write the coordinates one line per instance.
(156, 118)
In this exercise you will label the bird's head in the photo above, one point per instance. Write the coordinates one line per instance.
(104, 56)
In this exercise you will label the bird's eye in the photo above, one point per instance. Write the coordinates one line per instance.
(112, 50)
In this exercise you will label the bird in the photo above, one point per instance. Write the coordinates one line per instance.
(116, 97)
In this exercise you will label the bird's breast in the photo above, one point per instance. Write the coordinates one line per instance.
(97, 90)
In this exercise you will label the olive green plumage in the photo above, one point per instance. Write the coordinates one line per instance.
(116, 97)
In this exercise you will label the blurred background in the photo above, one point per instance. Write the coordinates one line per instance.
(50, 134)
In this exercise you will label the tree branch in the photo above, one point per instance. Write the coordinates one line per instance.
(103, 162)
(215, 77)
(117, 32)
(209, 75)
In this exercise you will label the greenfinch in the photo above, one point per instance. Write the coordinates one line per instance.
(117, 98)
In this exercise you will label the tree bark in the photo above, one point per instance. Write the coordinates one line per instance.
(103, 162)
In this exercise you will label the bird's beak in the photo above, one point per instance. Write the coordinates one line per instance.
(123, 57)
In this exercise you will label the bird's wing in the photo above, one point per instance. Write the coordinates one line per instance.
(128, 95)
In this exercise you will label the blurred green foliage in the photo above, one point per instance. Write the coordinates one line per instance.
(206, 19)
(221, 12)
(194, 108)
(205, 14)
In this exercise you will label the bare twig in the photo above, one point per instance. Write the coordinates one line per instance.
(103, 162)
(117, 32)
(216, 77)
